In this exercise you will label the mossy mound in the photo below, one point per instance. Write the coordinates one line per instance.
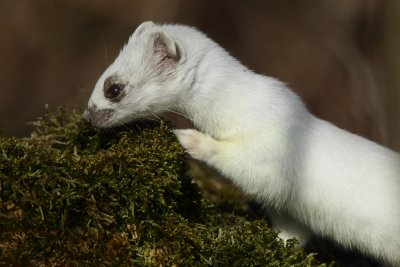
(71, 195)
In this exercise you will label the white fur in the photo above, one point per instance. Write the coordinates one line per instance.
(313, 176)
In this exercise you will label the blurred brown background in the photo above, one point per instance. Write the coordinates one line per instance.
(341, 56)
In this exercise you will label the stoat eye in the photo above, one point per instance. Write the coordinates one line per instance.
(114, 90)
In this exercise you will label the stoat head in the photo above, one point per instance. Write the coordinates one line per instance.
(142, 81)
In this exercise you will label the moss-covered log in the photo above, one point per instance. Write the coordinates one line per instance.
(71, 195)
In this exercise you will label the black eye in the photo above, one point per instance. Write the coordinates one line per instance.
(114, 90)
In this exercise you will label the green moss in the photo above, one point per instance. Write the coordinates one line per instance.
(71, 195)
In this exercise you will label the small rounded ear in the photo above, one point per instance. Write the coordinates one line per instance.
(165, 46)
(143, 27)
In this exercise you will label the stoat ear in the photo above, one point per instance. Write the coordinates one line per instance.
(143, 27)
(165, 46)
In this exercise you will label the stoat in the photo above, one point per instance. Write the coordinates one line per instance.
(312, 176)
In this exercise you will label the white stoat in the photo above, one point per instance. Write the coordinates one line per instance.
(311, 175)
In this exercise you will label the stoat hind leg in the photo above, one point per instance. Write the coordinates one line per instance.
(288, 228)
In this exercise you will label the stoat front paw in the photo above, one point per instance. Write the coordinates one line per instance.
(198, 145)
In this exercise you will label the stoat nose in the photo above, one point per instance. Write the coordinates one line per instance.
(97, 117)
(88, 113)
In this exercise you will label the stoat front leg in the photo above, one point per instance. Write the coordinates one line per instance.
(257, 174)
(198, 145)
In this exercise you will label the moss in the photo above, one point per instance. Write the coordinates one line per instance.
(71, 195)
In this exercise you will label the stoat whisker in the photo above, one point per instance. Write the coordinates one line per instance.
(157, 117)
(178, 113)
